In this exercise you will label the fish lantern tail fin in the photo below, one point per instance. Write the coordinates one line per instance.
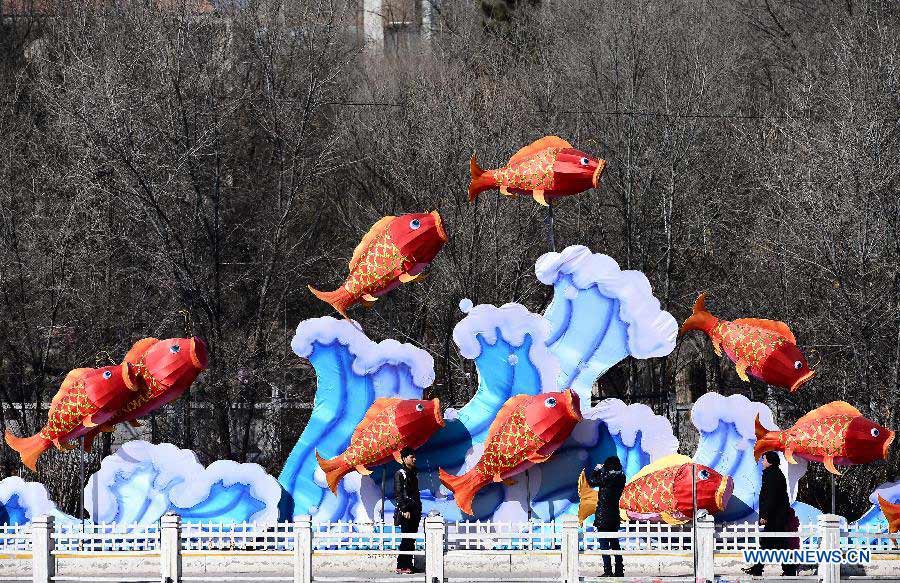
(463, 487)
(339, 299)
(891, 512)
(764, 441)
(335, 469)
(701, 319)
(481, 180)
(28, 448)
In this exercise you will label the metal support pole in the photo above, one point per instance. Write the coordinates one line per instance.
(833, 493)
(694, 515)
(383, 475)
(551, 241)
(81, 483)
(528, 492)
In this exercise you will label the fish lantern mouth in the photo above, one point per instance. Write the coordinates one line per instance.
(802, 380)
(199, 357)
(724, 492)
(601, 166)
(438, 416)
(574, 404)
(887, 444)
(439, 225)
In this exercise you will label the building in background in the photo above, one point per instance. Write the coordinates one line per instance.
(396, 25)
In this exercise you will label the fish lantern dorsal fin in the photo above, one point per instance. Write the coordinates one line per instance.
(138, 349)
(538, 145)
(376, 230)
(779, 328)
(675, 459)
(503, 414)
(374, 409)
(587, 498)
(72, 377)
(829, 410)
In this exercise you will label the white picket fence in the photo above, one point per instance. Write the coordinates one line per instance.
(294, 544)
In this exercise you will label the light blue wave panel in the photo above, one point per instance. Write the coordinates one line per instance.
(720, 451)
(235, 503)
(599, 315)
(21, 501)
(351, 372)
(727, 436)
(507, 345)
(142, 481)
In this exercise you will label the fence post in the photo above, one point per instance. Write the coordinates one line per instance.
(303, 546)
(43, 563)
(830, 533)
(435, 536)
(569, 563)
(706, 548)
(170, 548)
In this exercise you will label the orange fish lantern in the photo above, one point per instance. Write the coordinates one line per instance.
(388, 426)
(395, 250)
(663, 491)
(766, 349)
(835, 434)
(892, 515)
(164, 370)
(86, 397)
(546, 169)
(527, 431)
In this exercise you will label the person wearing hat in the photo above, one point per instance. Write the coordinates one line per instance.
(407, 506)
(610, 479)
(775, 512)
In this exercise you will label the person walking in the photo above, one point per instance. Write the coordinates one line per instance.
(610, 479)
(407, 507)
(775, 512)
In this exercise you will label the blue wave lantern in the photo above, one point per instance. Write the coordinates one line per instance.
(141, 481)
(21, 502)
(599, 315)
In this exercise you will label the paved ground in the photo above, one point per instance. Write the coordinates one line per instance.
(368, 568)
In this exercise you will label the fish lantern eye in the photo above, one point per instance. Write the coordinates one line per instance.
(875, 432)
(415, 224)
(107, 374)
(420, 407)
(174, 349)
(798, 365)
(550, 403)
(703, 474)
(584, 161)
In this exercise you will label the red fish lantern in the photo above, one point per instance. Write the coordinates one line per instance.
(663, 491)
(164, 369)
(546, 169)
(835, 434)
(389, 425)
(766, 349)
(892, 515)
(86, 397)
(527, 431)
(395, 250)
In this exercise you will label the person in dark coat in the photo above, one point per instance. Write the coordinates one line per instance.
(775, 512)
(610, 479)
(407, 507)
